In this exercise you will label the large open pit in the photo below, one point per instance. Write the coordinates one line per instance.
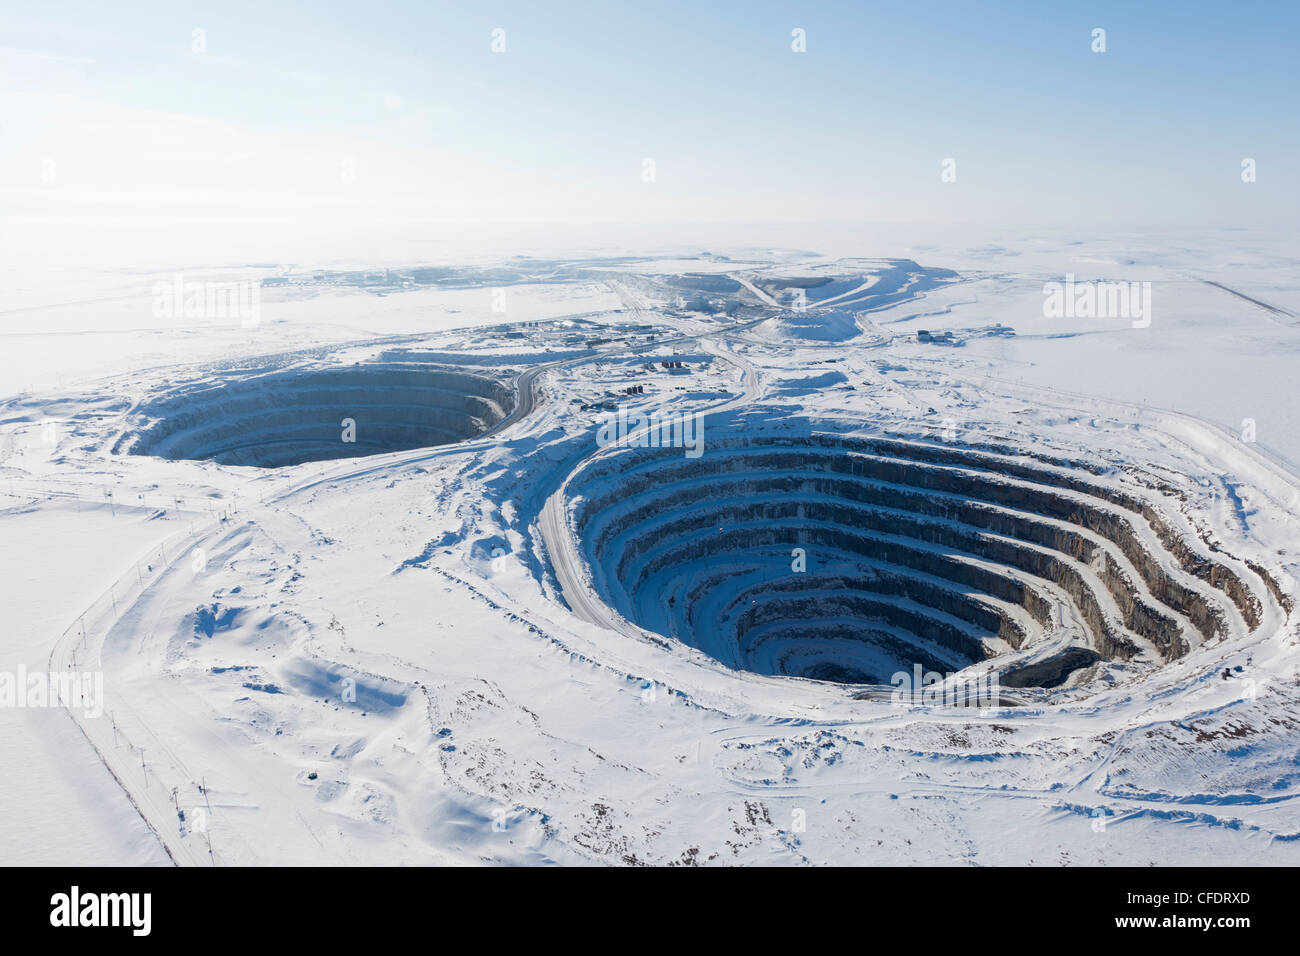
(851, 560)
(290, 416)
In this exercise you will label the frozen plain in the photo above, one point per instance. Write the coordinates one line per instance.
(509, 704)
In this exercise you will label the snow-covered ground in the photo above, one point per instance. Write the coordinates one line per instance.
(532, 645)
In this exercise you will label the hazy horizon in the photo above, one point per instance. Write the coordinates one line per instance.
(396, 114)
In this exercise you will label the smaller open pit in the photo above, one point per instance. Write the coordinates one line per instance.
(291, 416)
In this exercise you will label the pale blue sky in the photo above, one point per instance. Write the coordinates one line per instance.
(403, 109)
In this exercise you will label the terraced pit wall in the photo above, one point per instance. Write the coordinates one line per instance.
(292, 416)
(915, 552)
